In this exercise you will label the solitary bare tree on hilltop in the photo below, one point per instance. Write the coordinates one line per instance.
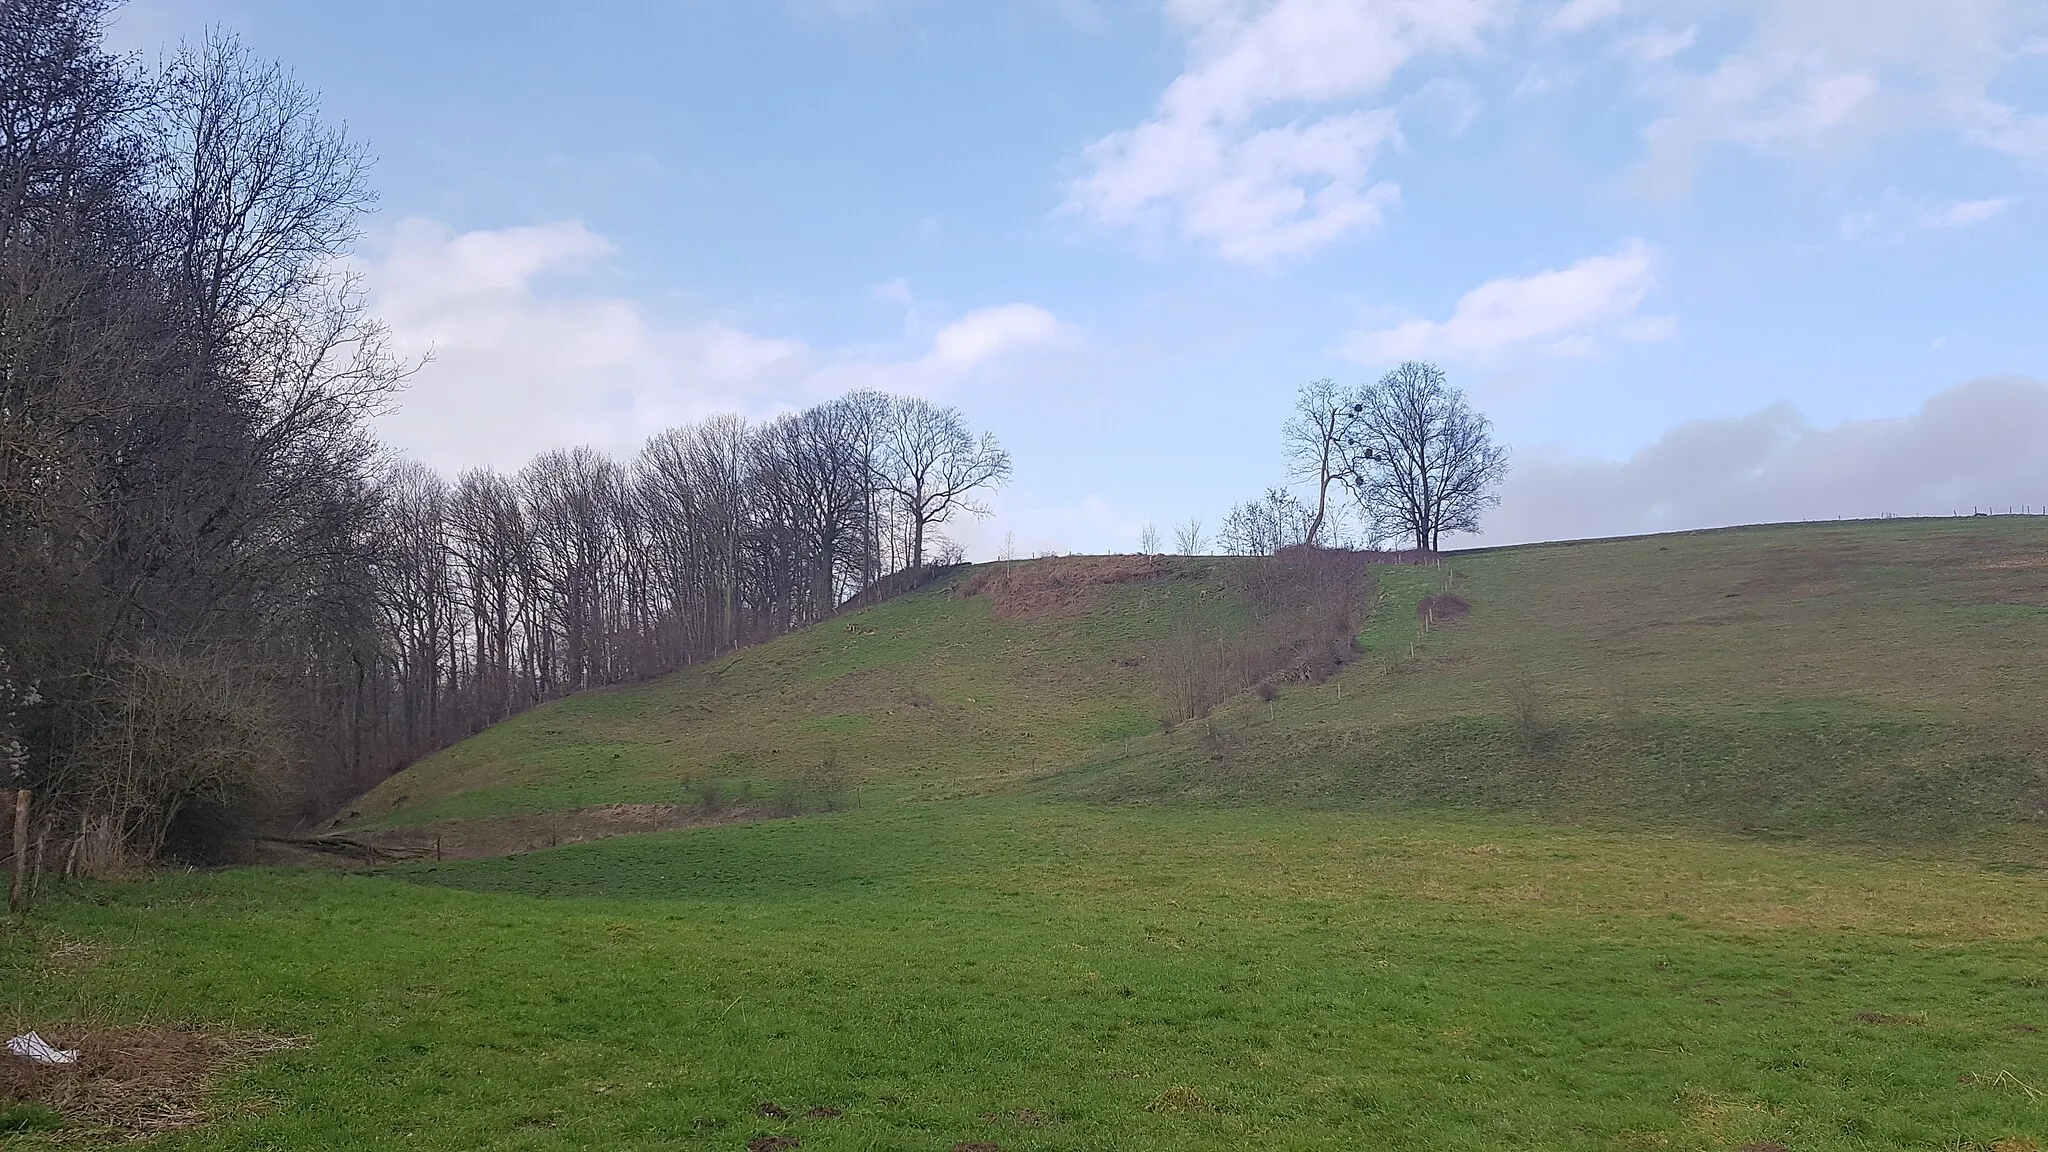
(1421, 461)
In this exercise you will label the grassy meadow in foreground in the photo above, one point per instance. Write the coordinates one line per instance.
(1041, 975)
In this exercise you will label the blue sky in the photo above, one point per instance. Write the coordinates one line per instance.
(1702, 262)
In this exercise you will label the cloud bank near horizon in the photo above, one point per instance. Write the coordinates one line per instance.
(1981, 444)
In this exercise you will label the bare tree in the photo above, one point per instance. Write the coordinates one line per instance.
(573, 503)
(868, 427)
(711, 466)
(1315, 442)
(1420, 460)
(1264, 526)
(488, 536)
(1188, 537)
(419, 598)
(935, 467)
(832, 482)
(1148, 541)
(258, 194)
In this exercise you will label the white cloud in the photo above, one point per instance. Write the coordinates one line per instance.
(1267, 146)
(1447, 100)
(2003, 128)
(1965, 213)
(1980, 444)
(895, 291)
(1659, 45)
(1563, 311)
(1263, 147)
(516, 368)
(1579, 15)
(1892, 218)
(986, 333)
(1808, 74)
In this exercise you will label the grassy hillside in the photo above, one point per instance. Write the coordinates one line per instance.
(1878, 682)
(943, 690)
(1476, 892)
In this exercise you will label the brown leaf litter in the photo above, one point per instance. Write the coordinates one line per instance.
(135, 1082)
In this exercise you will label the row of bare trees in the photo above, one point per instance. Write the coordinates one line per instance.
(220, 599)
(580, 570)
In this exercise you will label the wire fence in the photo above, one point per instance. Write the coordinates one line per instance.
(1975, 510)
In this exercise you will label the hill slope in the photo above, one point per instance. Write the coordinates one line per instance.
(989, 676)
(1875, 682)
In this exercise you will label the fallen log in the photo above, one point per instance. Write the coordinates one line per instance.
(367, 852)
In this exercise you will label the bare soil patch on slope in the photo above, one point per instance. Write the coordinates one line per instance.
(480, 836)
(1056, 586)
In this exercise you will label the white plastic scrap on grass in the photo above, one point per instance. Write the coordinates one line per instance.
(34, 1047)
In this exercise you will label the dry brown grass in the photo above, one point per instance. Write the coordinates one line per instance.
(63, 954)
(134, 1082)
(1055, 587)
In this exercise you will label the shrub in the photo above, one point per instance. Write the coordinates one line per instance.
(1300, 605)
(789, 798)
(710, 797)
(829, 785)
(1529, 708)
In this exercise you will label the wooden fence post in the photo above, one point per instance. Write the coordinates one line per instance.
(17, 897)
(35, 872)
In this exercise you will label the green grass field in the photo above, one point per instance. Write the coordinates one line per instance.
(1714, 841)
(1145, 980)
